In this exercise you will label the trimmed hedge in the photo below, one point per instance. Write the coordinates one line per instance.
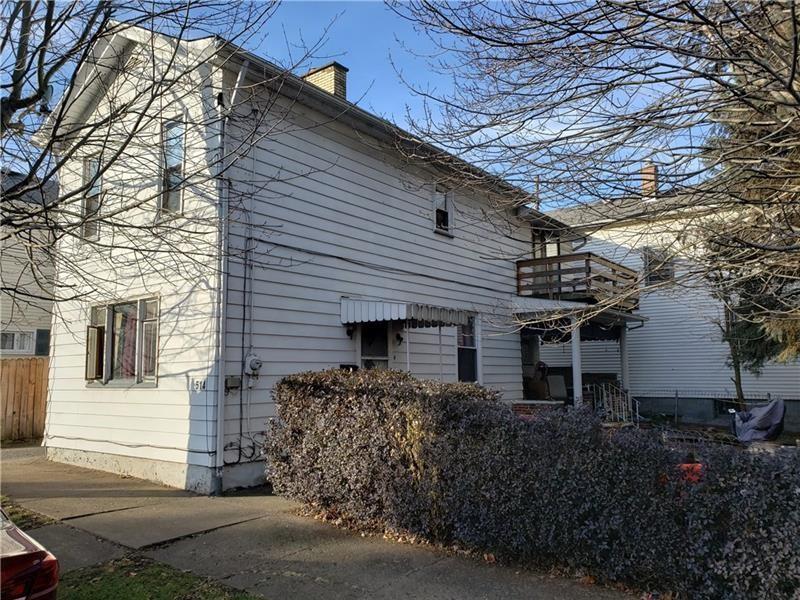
(451, 463)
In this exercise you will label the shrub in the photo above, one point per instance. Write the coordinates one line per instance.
(453, 464)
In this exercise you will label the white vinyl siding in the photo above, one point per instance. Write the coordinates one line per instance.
(679, 348)
(175, 421)
(347, 219)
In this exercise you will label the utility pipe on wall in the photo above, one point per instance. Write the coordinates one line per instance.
(577, 374)
(623, 357)
(441, 366)
(222, 296)
(408, 347)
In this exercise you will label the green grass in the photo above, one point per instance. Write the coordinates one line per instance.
(136, 578)
(22, 517)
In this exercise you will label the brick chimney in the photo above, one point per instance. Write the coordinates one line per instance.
(649, 181)
(331, 77)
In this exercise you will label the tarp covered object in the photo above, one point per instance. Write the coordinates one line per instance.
(760, 422)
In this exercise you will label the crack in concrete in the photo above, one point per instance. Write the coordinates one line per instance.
(169, 542)
(101, 512)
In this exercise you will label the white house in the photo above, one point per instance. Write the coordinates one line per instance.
(679, 356)
(319, 245)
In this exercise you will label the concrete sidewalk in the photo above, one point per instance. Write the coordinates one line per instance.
(252, 542)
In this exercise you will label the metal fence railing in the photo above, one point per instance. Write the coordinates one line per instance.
(708, 408)
(612, 402)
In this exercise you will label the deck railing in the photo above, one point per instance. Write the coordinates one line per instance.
(583, 277)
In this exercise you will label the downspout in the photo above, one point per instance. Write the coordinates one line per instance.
(222, 285)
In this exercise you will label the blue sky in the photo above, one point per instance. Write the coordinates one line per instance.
(365, 37)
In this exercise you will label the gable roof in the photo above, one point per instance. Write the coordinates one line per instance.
(283, 81)
(344, 111)
(631, 209)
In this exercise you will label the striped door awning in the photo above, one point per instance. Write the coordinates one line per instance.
(356, 310)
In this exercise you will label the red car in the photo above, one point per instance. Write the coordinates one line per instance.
(27, 570)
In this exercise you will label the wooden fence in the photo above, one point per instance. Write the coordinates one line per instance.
(23, 392)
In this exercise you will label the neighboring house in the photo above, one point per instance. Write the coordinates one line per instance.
(680, 352)
(339, 252)
(26, 277)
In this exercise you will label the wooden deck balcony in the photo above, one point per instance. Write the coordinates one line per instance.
(582, 277)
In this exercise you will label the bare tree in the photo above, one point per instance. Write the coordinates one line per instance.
(578, 94)
(145, 90)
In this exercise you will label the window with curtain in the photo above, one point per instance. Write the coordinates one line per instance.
(18, 342)
(149, 340)
(122, 342)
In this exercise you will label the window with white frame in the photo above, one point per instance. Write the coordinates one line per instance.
(122, 342)
(92, 197)
(442, 209)
(467, 351)
(18, 342)
(173, 151)
(375, 345)
(658, 266)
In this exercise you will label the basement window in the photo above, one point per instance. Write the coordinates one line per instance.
(122, 342)
(442, 209)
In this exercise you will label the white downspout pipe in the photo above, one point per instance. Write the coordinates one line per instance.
(577, 375)
(222, 279)
(441, 366)
(625, 371)
(408, 347)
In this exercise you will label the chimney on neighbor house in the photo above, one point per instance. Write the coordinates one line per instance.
(649, 181)
(331, 77)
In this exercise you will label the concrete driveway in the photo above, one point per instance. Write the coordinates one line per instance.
(254, 542)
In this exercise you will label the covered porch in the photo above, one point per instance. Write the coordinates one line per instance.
(575, 324)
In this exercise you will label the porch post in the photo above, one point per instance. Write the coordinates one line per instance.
(623, 357)
(408, 349)
(441, 367)
(577, 375)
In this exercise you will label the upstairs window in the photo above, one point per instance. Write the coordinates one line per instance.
(467, 352)
(90, 228)
(658, 266)
(122, 342)
(173, 138)
(442, 209)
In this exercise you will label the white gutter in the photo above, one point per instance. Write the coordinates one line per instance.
(222, 286)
